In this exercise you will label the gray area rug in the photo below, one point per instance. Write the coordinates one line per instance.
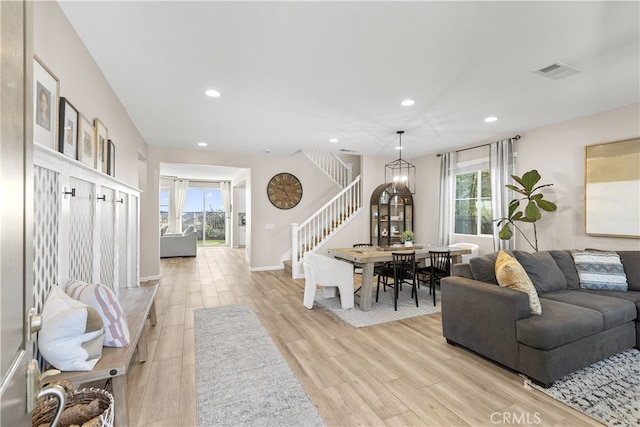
(382, 311)
(241, 377)
(608, 391)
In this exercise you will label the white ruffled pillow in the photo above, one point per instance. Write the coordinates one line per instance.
(72, 335)
(105, 302)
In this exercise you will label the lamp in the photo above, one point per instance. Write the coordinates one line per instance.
(400, 173)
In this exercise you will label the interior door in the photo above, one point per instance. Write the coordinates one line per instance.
(16, 183)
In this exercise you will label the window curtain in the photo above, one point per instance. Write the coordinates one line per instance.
(447, 197)
(225, 191)
(180, 193)
(501, 162)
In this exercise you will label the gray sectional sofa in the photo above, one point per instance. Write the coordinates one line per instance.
(577, 326)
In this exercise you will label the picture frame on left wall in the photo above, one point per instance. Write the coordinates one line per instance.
(68, 134)
(102, 147)
(46, 92)
(86, 142)
(111, 159)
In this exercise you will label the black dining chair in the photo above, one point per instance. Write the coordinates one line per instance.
(402, 270)
(440, 266)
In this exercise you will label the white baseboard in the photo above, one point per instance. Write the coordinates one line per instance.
(267, 268)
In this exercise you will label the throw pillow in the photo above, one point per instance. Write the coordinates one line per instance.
(600, 270)
(72, 334)
(511, 274)
(543, 271)
(105, 302)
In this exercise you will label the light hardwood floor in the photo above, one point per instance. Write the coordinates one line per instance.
(400, 373)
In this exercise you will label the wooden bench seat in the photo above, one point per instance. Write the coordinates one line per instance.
(137, 304)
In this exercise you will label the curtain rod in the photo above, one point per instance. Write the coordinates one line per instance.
(517, 137)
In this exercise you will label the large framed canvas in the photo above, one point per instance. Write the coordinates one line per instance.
(86, 142)
(46, 92)
(612, 189)
(68, 135)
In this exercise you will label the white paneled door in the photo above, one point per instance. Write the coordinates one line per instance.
(16, 261)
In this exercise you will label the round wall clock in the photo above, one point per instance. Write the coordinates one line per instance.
(284, 191)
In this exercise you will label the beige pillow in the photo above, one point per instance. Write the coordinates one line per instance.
(511, 274)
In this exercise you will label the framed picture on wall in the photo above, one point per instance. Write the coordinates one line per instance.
(102, 138)
(111, 159)
(68, 134)
(86, 142)
(46, 90)
(612, 189)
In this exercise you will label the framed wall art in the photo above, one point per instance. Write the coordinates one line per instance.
(46, 92)
(612, 189)
(68, 134)
(111, 159)
(86, 142)
(102, 138)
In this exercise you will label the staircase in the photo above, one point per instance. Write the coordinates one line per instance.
(325, 222)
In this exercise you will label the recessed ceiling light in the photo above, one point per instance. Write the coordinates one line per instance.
(333, 140)
(491, 119)
(407, 102)
(399, 147)
(212, 92)
(202, 144)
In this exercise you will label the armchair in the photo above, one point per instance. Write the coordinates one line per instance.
(175, 245)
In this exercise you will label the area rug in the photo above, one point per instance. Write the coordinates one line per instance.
(608, 391)
(382, 311)
(241, 377)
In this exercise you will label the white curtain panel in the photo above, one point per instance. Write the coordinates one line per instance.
(501, 162)
(225, 191)
(181, 187)
(447, 197)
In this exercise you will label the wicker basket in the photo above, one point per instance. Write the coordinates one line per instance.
(46, 409)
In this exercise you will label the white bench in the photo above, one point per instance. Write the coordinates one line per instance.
(137, 304)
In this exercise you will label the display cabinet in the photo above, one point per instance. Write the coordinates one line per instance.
(391, 214)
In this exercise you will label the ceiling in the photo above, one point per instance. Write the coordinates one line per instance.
(293, 75)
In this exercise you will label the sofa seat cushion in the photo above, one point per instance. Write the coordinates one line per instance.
(559, 324)
(633, 296)
(615, 311)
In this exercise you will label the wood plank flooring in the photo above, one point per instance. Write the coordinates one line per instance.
(395, 374)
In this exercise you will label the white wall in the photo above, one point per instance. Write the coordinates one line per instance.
(557, 152)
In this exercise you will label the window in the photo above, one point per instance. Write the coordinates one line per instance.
(473, 214)
(164, 207)
(203, 209)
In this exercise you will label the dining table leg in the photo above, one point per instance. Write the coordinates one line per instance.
(367, 287)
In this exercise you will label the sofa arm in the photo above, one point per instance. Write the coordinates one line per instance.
(482, 317)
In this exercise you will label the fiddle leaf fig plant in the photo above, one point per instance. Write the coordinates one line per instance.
(534, 204)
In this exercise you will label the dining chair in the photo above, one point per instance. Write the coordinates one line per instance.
(439, 267)
(377, 267)
(472, 246)
(402, 270)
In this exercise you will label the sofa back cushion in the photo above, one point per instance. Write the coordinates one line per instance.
(631, 263)
(483, 267)
(565, 263)
(543, 271)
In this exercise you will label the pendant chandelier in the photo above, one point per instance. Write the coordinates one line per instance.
(400, 173)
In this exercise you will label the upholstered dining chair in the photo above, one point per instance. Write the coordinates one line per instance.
(439, 267)
(402, 270)
(334, 276)
(462, 245)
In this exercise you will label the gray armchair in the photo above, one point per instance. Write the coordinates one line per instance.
(174, 244)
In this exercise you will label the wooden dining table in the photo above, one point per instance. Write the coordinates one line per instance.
(366, 257)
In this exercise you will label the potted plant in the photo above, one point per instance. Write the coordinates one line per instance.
(407, 237)
(534, 205)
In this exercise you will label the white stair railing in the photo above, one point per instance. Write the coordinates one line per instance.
(339, 171)
(309, 235)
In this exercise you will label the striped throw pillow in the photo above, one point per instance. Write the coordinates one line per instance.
(104, 301)
(600, 270)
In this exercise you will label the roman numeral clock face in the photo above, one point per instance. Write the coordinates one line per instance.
(284, 191)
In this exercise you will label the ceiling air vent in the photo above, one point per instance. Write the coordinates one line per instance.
(557, 71)
(347, 150)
